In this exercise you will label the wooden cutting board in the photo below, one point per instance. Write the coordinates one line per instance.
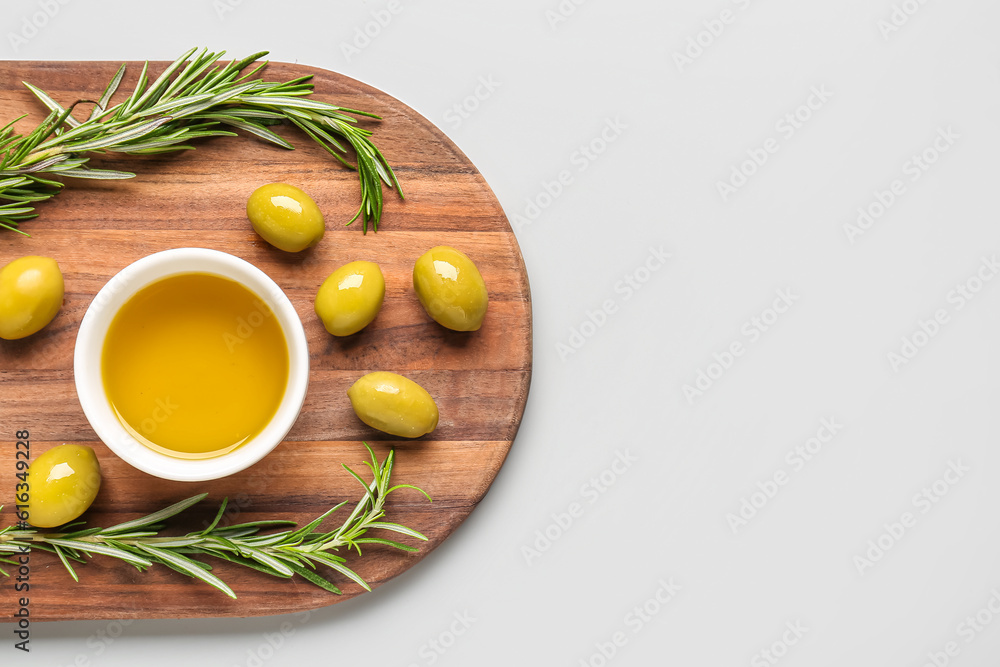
(197, 198)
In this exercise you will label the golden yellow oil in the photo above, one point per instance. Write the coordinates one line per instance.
(195, 365)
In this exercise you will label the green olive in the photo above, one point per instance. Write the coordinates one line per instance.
(285, 217)
(450, 288)
(31, 293)
(393, 404)
(62, 484)
(350, 298)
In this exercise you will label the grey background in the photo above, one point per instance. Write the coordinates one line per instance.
(677, 129)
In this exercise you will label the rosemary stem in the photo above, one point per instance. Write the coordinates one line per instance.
(282, 554)
(203, 99)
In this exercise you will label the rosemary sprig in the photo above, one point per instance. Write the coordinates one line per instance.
(281, 554)
(190, 100)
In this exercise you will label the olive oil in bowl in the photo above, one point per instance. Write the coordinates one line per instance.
(195, 365)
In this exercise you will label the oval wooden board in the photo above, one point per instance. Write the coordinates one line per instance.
(197, 198)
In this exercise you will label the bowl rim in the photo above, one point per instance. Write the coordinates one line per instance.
(87, 362)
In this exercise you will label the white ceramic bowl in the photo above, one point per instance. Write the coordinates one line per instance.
(90, 343)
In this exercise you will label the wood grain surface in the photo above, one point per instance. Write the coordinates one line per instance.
(197, 199)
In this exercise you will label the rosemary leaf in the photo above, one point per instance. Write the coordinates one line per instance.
(189, 567)
(65, 562)
(108, 93)
(104, 549)
(388, 543)
(155, 517)
(395, 527)
(321, 557)
(51, 103)
(314, 578)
